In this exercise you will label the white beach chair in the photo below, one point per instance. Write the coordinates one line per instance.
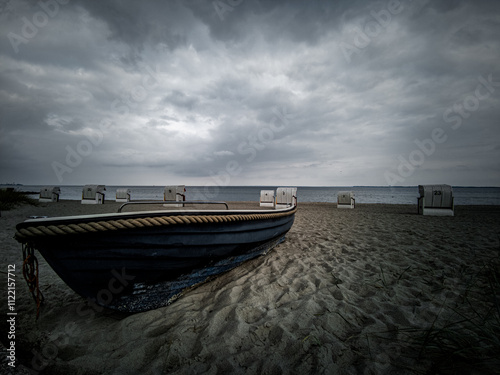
(345, 199)
(123, 195)
(174, 193)
(286, 197)
(436, 200)
(267, 198)
(49, 194)
(93, 194)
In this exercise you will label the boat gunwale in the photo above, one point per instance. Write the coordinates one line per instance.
(122, 215)
(65, 225)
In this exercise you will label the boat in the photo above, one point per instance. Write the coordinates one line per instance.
(139, 261)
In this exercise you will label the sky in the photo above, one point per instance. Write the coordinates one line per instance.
(250, 92)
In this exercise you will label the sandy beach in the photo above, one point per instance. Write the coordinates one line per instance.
(378, 289)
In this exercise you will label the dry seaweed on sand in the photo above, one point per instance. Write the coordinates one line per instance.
(464, 337)
(471, 341)
(11, 198)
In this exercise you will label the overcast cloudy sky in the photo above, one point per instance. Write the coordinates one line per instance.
(250, 92)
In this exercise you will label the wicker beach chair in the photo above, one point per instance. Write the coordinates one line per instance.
(174, 193)
(123, 195)
(93, 194)
(267, 198)
(435, 200)
(49, 194)
(345, 199)
(286, 197)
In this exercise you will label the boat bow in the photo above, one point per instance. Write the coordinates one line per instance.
(163, 253)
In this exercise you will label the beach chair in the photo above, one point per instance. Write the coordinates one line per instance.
(267, 198)
(435, 200)
(345, 199)
(93, 194)
(286, 197)
(123, 195)
(49, 194)
(174, 193)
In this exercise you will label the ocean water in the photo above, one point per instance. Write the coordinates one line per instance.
(363, 194)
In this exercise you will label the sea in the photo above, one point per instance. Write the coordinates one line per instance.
(363, 194)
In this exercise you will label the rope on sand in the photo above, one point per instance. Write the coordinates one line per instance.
(30, 273)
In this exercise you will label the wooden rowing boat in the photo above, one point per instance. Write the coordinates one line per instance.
(137, 261)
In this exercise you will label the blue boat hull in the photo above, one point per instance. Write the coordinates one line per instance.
(147, 268)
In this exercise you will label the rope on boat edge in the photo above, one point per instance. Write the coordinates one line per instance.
(25, 234)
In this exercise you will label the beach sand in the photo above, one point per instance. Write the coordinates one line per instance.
(377, 289)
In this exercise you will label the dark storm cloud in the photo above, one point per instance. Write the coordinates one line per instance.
(289, 92)
(180, 99)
